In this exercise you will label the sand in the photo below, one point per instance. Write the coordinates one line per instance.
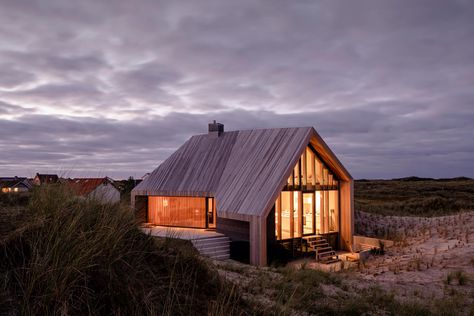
(425, 252)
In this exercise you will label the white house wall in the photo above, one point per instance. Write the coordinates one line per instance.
(106, 193)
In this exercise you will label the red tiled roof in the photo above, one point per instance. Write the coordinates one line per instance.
(84, 186)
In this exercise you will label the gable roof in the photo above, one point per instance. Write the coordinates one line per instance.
(12, 182)
(44, 178)
(244, 170)
(84, 186)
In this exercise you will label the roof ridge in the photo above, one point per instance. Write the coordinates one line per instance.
(259, 129)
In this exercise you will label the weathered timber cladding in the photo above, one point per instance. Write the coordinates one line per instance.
(239, 168)
(195, 169)
(234, 229)
(347, 215)
(245, 172)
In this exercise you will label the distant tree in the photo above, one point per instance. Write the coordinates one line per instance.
(126, 187)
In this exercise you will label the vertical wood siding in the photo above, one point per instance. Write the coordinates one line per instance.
(245, 171)
(234, 229)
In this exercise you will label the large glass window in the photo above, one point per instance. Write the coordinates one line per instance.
(286, 213)
(333, 211)
(296, 175)
(319, 172)
(297, 216)
(309, 203)
(310, 166)
(177, 211)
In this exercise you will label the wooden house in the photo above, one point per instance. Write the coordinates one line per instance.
(259, 187)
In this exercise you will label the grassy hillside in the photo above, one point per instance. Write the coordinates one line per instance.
(62, 256)
(414, 196)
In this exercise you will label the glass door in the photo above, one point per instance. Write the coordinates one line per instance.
(308, 214)
(211, 213)
(319, 213)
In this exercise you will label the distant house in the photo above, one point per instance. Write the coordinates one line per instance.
(102, 189)
(14, 184)
(265, 188)
(42, 178)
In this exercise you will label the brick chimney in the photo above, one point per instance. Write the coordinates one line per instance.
(216, 129)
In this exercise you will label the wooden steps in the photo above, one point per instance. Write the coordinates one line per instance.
(217, 248)
(324, 252)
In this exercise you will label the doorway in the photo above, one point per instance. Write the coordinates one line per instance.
(211, 213)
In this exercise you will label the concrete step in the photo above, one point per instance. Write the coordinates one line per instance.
(205, 243)
(210, 239)
(221, 257)
(215, 253)
(207, 247)
(212, 244)
(217, 248)
(213, 250)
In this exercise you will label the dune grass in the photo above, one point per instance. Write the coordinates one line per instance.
(60, 255)
(414, 196)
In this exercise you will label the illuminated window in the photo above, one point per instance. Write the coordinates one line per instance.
(333, 210)
(297, 218)
(310, 166)
(296, 175)
(309, 203)
(177, 211)
(286, 215)
(308, 213)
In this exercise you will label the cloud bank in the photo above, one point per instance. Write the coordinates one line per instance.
(114, 87)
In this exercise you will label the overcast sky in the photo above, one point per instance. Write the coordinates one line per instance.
(95, 88)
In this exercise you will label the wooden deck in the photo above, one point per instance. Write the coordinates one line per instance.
(180, 232)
